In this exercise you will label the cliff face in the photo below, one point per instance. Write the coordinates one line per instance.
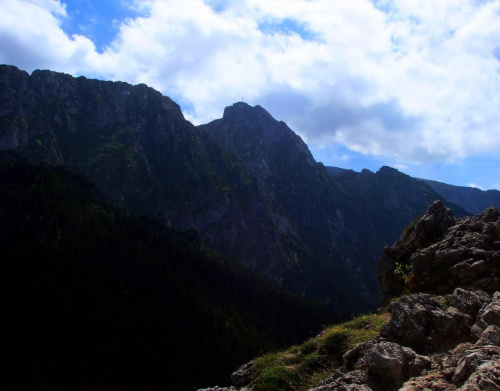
(310, 201)
(391, 199)
(441, 252)
(246, 182)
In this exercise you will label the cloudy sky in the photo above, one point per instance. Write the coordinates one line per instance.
(414, 84)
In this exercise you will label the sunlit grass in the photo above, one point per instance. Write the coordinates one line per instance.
(301, 367)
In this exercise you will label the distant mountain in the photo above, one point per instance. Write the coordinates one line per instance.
(331, 249)
(136, 146)
(246, 182)
(391, 199)
(472, 199)
(93, 298)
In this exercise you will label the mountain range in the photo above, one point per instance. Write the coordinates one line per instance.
(246, 182)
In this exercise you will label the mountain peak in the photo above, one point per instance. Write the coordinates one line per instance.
(241, 110)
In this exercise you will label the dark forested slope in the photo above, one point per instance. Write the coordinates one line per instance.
(92, 298)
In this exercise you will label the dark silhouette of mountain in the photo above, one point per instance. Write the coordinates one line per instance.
(136, 146)
(391, 199)
(93, 298)
(246, 182)
(472, 199)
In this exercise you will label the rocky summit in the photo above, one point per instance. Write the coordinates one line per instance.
(443, 329)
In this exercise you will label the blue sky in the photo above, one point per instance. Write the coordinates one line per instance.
(405, 83)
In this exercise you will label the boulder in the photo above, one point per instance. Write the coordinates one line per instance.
(352, 381)
(243, 375)
(488, 315)
(490, 336)
(473, 359)
(486, 378)
(419, 321)
(393, 362)
(469, 302)
(351, 357)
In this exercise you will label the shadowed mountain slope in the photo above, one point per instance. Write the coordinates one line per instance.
(472, 199)
(136, 146)
(93, 298)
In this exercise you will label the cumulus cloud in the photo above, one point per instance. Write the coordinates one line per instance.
(416, 81)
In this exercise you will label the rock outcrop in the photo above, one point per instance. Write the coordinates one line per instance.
(422, 323)
(455, 323)
(457, 358)
(441, 337)
(440, 253)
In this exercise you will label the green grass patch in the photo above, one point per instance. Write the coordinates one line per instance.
(301, 367)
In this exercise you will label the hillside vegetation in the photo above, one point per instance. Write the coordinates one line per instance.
(95, 299)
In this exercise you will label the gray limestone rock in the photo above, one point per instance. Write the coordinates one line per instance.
(473, 359)
(488, 315)
(243, 375)
(469, 302)
(486, 378)
(419, 321)
(391, 361)
(490, 336)
(351, 381)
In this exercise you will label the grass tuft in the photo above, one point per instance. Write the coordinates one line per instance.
(301, 367)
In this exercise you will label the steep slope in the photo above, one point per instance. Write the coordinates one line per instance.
(95, 299)
(313, 204)
(136, 146)
(471, 199)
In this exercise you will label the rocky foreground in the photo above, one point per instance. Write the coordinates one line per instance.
(444, 329)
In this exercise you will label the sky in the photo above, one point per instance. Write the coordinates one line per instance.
(412, 84)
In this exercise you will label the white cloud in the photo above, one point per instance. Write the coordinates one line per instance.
(31, 38)
(414, 80)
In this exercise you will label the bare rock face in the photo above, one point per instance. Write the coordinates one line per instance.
(430, 228)
(460, 331)
(489, 315)
(352, 381)
(475, 358)
(487, 377)
(441, 253)
(469, 302)
(422, 323)
(391, 361)
(490, 336)
(243, 375)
